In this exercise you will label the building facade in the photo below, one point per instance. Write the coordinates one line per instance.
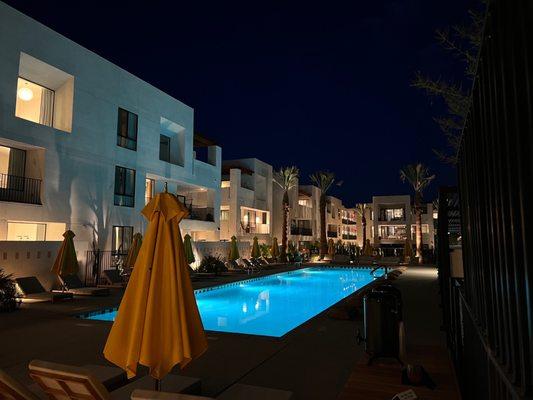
(246, 205)
(392, 221)
(341, 221)
(84, 145)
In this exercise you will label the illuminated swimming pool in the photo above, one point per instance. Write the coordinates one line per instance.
(275, 304)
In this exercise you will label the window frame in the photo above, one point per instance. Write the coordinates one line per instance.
(132, 196)
(168, 138)
(127, 138)
(114, 238)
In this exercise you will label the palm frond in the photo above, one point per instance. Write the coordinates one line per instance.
(287, 177)
(417, 175)
(323, 180)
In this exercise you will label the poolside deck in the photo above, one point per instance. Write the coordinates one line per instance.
(314, 361)
(426, 346)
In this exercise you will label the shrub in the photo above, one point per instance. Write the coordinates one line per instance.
(211, 264)
(9, 300)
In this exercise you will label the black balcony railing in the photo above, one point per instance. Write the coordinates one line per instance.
(332, 234)
(349, 237)
(347, 221)
(301, 231)
(201, 213)
(20, 189)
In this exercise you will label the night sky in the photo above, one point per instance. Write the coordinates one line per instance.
(320, 87)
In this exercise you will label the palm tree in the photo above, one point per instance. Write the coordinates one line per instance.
(324, 180)
(360, 209)
(419, 178)
(286, 178)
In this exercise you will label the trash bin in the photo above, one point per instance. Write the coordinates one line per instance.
(382, 316)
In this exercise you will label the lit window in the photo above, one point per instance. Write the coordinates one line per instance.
(122, 238)
(304, 202)
(149, 187)
(225, 184)
(26, 231)
(127, 129)
(124, 187)
(34, 102)
(224, 215)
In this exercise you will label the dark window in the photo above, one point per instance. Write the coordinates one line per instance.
(122, 238)
(264, 218)
(124, 187)
(164, 148)
(127, 129)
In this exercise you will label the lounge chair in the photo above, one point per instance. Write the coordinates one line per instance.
(113, 278)
(10, 388)
(248, 265)
(33, 292)
(262, 261)
(63, 382)
(74, 285)
(234, 268)
(237, 391)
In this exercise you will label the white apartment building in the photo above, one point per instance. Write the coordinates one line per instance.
(304, 214)
(84, 145)
(392, 221)
(246, 205)
(341, 221)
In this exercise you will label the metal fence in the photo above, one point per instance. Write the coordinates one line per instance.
(490, 314)
(98, 261)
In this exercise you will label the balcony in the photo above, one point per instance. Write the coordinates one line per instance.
(332, 234)
(349, 237)
(201, 213)
(301, 231)
(347, 221)
(20, 189)
(259, 229)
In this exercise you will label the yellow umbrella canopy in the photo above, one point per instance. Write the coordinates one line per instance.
(189, 254)
(134, 250)
(158, 324)
(367, 250)
(66, 262)
(274, 251)
(331, 247)
(256, 252)
(233, 250)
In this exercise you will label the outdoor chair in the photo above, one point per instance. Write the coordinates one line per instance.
(233, 267)
(74, 285)
(33, 292)
(113, 278)
(10, 388)
(262, 261)
(61, 382)
(248, 265)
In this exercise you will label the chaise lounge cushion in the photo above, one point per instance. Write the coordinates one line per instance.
(33, 292)
(75, 286)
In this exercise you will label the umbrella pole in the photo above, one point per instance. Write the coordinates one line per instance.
(157, 385)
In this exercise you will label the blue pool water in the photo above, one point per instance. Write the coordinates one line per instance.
(275, 304)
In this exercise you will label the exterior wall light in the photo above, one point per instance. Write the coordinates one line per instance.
(25, 94)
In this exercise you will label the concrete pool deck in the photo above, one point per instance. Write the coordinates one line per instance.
(314, 360)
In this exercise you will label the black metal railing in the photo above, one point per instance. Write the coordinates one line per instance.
(346, 236)
(20, 189)
(490, 314)
(347, 221)
(301, 231)
(332, 234)
(98, 261)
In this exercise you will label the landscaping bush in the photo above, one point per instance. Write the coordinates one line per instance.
(9, 300)
(211, 264)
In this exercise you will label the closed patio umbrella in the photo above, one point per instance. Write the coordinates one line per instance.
(133, 252)
(367, 250)
(407, 250)
(158, 324)
(187, 244)
(274, 251)
(233, 250)
(331, 247)
(66, 262)
(256, 252)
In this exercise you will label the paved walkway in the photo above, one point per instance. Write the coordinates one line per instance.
(426, 346)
